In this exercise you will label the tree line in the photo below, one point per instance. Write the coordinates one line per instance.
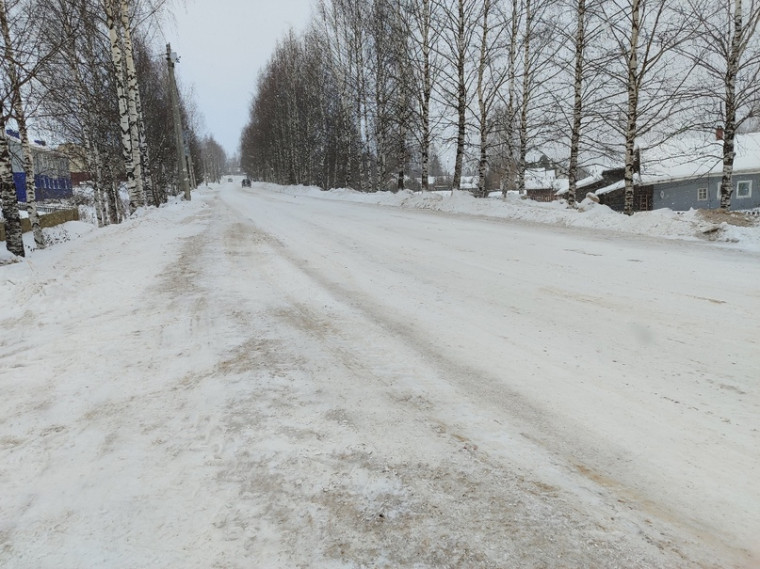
(373, 90)
(87, 71)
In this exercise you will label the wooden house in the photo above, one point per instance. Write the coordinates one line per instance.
(686, 173)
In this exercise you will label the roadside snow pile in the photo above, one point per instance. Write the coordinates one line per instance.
(67, 231)
(663, 223)
(6, 257)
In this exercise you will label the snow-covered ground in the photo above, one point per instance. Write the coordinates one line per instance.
(280, 377)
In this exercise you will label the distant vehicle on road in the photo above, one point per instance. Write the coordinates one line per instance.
(229, 179)
(246, 182)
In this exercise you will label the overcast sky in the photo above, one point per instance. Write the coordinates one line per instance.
(222, 45)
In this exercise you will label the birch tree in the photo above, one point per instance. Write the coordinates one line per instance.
(647, 33)
(726, 49)
(14, 241)
(492, 74)
(536, 113)
(579, 45)
(343, 25)
(459, 24)
(117, 60)
(585, 55)
(382, 64)
(13, 69)
(133, 95)
(505, 116)
(424, 39)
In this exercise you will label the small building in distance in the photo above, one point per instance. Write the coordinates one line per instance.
(51, 170)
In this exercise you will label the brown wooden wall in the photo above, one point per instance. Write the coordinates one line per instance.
(47, 220)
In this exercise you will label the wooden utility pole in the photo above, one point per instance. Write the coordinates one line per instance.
(171, 59)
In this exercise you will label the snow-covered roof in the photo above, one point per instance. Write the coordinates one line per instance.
(610, 188)
(539, 178)
(588, 180)
(685, 158)
(563, 184)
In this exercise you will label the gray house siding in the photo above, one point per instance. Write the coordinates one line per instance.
(683, 195)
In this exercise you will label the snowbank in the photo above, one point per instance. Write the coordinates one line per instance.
(663, 223)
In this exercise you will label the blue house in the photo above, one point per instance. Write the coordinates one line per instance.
(686, 173)
(52, 179)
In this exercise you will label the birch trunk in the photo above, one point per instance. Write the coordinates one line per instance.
(93, 159)
(28, 159)
(380, 121)
(14, 240)
(134, 132)
(20, 115)
(112, 210)
(575, 131)
(729, 131)
(149, 189)
(527, 71)
(461, 97)
(512, 96)
(483, 114)
(117, 59)
(633, 103)
(427, 88)
(400, 181)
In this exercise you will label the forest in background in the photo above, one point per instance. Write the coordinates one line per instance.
(376, 94)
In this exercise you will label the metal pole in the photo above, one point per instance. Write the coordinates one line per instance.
(178, 137)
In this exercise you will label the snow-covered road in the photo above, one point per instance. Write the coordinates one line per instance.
(261, 379)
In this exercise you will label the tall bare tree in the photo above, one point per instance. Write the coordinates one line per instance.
(726, 49)
(647, 34)
(14, 68)
(14, 241)
(133, 106)
(424, 39)
(492, 74)
(459, 22)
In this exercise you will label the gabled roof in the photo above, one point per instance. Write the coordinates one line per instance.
(686, 158)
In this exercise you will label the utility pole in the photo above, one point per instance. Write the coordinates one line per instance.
(171, 59)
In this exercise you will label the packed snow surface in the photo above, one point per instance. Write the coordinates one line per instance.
(282, 377)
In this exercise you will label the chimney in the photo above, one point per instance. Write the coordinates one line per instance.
(719, 133)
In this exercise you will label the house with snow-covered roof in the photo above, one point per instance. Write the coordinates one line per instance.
(685, 173)
(542, 184)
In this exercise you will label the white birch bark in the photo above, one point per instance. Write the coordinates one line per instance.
(150, 190)
(424, 38)
(726, 184)
(482, 110)
(93, 160)
(575, 128)
(20, 116)
(14, 241)
(633, 101)
(28, 160)
(509, 177)
(461, 105)
(132, 95)
(117, 58)
(427, 90)
(526, 94)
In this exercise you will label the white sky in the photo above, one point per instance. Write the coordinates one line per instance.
(223, 44)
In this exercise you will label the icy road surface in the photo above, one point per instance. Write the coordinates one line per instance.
(256, 379)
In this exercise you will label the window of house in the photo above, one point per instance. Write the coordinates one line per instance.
(702, 194)
(743, 189)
